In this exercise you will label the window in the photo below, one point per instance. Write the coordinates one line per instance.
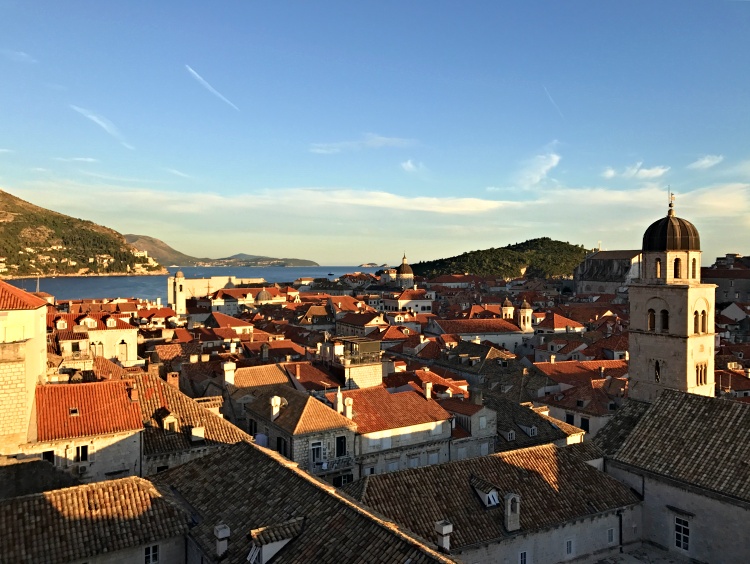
(482, 422)
(657, 267)
(522, 557)
(570, 418)
(342, 480)
(252, 427)
(701, 374)
(432, 458)
(677, 268)
(610, 536)
(484, 449)
(340, 446)
(657, 371)
(681, 533)
(695, 269)
(704, 323)
(281, 446)
(696, 322)
(462, 453)
(369, 471)
(316, 451)
(49, 456)
(414, 462)
(585, 424)
(393, 466)
(569, 547)
(651, 320)
(151, 554)
(82, 453)
(664, 320)
(161, 469)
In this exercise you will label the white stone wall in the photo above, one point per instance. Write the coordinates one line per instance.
(110, 456)
(171, 551)
(718, 528)
(589, 538)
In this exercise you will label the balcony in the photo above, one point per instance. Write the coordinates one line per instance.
(332, 465)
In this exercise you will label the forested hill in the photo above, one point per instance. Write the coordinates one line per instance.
(542, 258)
(38, 242)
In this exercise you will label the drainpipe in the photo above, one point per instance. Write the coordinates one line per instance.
(619, 517)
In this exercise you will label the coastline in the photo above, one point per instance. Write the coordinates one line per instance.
(163, 272)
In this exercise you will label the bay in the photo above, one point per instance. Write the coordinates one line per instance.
(153, 287)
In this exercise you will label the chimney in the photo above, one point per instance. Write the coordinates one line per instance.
(197, 434)
(264, 351)
(444, 529)
(133, 392)
(158, 302)
(232, 347)
(512, 512)
(601, 372)
(229, 368)
(552, 358)
(205, 357)
(193, 358)
(221, 532)
(173, 379)
(275, 407)
(421, 338)
(427, 386)
(348, 406)
(339, 401)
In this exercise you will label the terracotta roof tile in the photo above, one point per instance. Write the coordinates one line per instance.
(82, 410)
(12, 298)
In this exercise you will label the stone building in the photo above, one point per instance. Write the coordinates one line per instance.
(671, 314)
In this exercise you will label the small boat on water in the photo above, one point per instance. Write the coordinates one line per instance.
(331, 274)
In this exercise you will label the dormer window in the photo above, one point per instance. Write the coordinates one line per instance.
(61, 325)
(73, 412)
(579, 403)
(111, 322)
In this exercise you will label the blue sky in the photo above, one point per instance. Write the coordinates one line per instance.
(346, 132)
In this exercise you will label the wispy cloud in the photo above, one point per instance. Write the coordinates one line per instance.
(637, 171)
(706, 162)
(208, 87)
(537, 169)
(76, 160)
(117, 178)
(553, 102)
(177, 173)
(369, 141)
(104, 123)
(17, 56)
(7, 151)
(412, 167)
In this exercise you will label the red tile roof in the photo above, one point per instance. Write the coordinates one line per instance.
(82, 410)
(476, 326)
(12, 298)
(574, 372)
(555, 321)
(375, 409)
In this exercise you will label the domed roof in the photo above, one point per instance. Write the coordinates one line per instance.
(179, 274)
(263, 296)
(404, 269)
(671, 233)
(507, 303)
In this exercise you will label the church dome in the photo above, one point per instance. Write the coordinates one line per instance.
(507, 303)
(179, 274)
(404, 269)
(263, 296)
(671, 233)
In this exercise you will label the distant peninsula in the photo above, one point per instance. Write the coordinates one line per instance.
(165, 254)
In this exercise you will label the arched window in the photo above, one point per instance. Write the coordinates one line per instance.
(696, 322)
(651, 322)
(664, 320)
(704, 323)
(677, 268)
(695, 269)
(657, 266)
(514, 505)
(657, 371)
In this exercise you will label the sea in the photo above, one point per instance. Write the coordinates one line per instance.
(153, 287)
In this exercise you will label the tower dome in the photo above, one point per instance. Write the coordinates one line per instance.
(671, 233)
(179, 274)
(404, 269)
(263, 296)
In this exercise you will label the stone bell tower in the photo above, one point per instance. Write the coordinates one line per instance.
(671, 314)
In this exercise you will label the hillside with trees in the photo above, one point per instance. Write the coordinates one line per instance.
(38, 242)
(536, 258)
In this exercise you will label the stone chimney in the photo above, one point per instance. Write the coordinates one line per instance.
(205, 357)
(339, 401)
(427, 387)
(221, 532)
(601, 372)
(512, 512)
(193, 358)
(229, 368)
(297, 371)
(348, 408)
(232, 347)
(275, 407)
(173, 379)
(264, 351)
(444, 529)
(133, 392)
(552, 358)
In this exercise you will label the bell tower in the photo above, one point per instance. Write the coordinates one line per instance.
(671, 314)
